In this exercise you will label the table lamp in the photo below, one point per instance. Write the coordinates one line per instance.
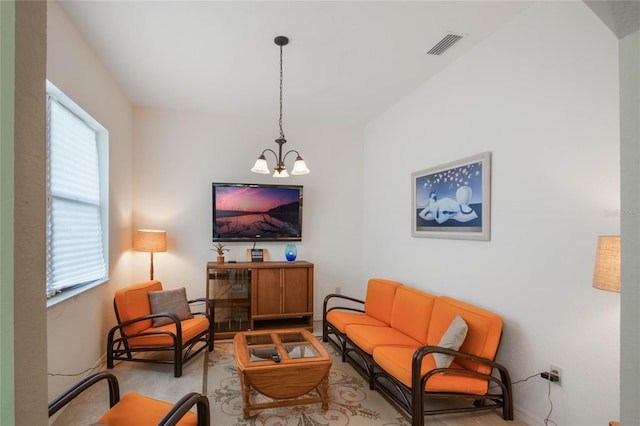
(152, 241)
(606, 274)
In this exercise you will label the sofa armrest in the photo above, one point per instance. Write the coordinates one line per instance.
(209, 307)
(84, 384)
(183, 406)
(174, 319)
(340, 297)
(204, 300)
(418, 381)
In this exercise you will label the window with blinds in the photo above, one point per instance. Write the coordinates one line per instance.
(76, 197)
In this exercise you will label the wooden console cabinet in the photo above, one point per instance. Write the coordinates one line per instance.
(260, 295)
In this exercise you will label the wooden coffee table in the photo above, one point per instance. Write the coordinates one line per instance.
(281, 364)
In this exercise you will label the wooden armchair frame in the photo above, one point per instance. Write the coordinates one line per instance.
(411, 400)
(176, 412)
(340, 342)
(120, 349)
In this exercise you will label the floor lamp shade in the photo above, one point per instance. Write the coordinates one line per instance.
(151, 241)
(606, 274)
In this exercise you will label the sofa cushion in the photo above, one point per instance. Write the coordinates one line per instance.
(190, 329)
(340, 319)
(173, 301)
(396, 360)
(483, 335)
(379, 299)
(411, 313)
(137, 409)
(452, 339)
(367, 337)
(133, 302)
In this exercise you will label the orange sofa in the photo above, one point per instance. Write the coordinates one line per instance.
(412, 346)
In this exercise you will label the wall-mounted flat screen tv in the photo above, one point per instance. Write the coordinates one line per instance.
(256, 212)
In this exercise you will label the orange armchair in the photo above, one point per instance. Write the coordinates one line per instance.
(138, 410)
(140, 330)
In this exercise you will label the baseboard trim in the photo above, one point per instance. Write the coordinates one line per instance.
(527, 416)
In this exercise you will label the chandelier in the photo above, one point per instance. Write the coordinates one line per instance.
(299, 166)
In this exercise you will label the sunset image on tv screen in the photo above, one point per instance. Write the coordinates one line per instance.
(260, 212)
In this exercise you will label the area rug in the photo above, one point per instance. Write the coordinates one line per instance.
(351, 401)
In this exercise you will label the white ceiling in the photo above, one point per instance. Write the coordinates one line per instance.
(346, 60)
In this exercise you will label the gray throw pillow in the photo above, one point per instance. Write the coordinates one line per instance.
(174, 301)
(451, 339)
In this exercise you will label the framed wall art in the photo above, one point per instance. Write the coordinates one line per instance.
(453, 200)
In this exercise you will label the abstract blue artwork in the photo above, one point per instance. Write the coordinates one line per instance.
(453, 200)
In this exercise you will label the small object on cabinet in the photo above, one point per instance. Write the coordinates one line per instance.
(257, 255)
(291, 252)
(220, 248)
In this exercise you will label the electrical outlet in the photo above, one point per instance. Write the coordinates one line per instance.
(553, 375)
(554, 369)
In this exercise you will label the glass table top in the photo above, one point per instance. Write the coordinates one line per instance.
(291, 337)
(259, 339)
(286, 345)
(301, 351)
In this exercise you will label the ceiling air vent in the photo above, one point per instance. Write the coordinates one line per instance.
(443, 45)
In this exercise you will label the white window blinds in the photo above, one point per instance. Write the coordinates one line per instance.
(74, 231)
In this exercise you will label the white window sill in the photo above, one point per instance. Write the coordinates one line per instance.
(68, 294)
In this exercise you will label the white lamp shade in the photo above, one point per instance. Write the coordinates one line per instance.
(300, 167)
(261, 166)
(281, 174)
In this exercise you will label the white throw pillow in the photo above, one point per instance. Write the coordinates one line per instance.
(452, 339)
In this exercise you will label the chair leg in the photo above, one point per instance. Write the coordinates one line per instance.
(417, 406)
(417, 416)
(211, 336)
(110, 349)
(177, 364)
(343, 348)
(507, 408)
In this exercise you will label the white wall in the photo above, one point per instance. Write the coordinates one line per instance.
(542, 95)
(77, 328)
(179, 154)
